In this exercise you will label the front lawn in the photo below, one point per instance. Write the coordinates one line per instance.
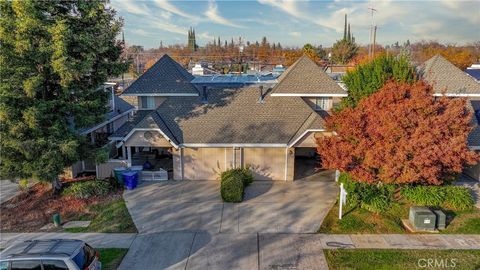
(401, 259)
(358, 220)
(33, 209)
(111, 257)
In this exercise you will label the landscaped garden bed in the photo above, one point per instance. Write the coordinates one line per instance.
(402, 259)
(33, 209)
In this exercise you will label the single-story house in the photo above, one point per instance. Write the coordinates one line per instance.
(196, 131)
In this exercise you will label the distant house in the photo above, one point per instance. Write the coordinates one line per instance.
(448, 80)
(195, 131)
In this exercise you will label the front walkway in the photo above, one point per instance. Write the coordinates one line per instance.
(8, 190)
(268, 206)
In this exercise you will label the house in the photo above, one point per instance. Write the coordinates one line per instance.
(195, 131)
(448, 80)
(117, 115)
(474, 71)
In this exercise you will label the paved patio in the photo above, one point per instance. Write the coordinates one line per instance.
(269, 206)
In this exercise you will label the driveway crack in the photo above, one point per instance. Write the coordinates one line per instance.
(190, 251)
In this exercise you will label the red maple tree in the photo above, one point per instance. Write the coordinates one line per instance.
(400, 134)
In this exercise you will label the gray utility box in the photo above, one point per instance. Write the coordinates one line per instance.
(441, 219)
(422, 218)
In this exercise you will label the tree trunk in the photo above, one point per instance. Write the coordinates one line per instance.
(56, 185)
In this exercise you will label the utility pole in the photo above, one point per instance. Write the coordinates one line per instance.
(374, 40)
(370, 48)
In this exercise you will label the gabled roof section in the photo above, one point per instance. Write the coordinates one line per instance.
(314, 122)
(165, 78)
(305, 78)
(446, 78)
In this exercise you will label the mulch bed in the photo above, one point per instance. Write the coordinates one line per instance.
(32, 209)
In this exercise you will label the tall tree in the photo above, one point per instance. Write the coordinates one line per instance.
(367, 78)
(400, 134)
(343, 51)
(54, 58)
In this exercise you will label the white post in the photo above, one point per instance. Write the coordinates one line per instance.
(129, 156)
(340, 206)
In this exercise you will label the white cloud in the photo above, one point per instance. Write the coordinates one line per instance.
(214, 16)
(287, 6)
(295, 34)
(131, 7)
(205, 36)
(166, 5)
(140, 32)
(169, 27)
(166, 15)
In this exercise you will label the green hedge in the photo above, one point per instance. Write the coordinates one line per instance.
(451, 197)
(233, 183)
(374, 198)
(87, 189)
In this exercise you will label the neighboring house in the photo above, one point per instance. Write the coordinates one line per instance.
(474, 71)
(118, 114)
(448, 80)
(196, 131)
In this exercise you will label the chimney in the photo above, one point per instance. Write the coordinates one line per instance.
(262, 94)
(204, 94)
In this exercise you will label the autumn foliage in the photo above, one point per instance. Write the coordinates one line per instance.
(400, 134)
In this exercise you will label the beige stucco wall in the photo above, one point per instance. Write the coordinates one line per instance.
(155, 139)
(203, 163)
(310, 139)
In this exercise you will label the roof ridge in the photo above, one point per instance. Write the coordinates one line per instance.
(169, 130)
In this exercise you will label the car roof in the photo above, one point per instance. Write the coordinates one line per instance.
(42, 248)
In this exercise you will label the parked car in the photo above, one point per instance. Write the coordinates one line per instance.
(55, 254)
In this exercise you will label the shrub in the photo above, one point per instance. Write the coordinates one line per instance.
(231, 188)
(453, 197)
(233, 182)
(87, 189)
(375, 198)
(23, 184)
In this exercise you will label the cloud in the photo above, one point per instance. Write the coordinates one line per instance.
(287, 6)
(214, 16)
(166, 5)
(166, 15)
(131, 7)
(205, 36)
(169, 27)
(141, 32)
(295, 34)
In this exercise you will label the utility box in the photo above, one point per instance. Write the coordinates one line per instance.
(441, 219)
(422, 218)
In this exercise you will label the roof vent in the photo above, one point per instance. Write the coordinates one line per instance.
(261, 94)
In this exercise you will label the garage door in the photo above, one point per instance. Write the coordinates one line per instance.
(267, 163)
(203, 163)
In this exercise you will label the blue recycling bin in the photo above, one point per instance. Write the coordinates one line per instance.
(130, 179)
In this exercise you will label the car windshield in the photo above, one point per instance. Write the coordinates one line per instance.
(84, 257)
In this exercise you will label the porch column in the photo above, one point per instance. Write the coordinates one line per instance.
(129, 156)
(124, 151)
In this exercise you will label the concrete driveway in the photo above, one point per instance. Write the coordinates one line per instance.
(268, 207)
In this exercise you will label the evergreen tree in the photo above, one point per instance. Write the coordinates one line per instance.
(368, 78)
(349, 36)
(54, 58)
(345, 28)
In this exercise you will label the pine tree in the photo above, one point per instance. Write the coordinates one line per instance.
(345, 28)
(59, 54)
(349, 36)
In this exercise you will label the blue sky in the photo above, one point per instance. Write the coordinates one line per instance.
(294, 23)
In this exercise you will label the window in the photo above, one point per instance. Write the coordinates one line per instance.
(54, 265)
(26, 265)
(85, 257)
(3, 265)
(147, 103)
(323, 103)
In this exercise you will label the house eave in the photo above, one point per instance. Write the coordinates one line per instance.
(307, 95)
(107, 122)
(160, 95)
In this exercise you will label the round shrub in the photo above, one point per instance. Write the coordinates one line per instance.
(87, 189)
(231, 188)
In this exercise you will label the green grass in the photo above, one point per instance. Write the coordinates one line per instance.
(401, 259)
(110, 217)
(358, 220)
(111, 257)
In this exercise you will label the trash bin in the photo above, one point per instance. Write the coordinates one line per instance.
(56, 220)
(118, 174)
(130, 179)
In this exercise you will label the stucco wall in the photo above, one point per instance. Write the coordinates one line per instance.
(310, 139)
(147, 139)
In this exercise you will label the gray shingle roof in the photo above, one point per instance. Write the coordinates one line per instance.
(165, 77)
(234, 116)
(305, 77)
(445, 77)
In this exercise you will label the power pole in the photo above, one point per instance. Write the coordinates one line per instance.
(370, 48)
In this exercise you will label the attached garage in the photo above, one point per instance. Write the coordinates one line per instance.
(266, 163)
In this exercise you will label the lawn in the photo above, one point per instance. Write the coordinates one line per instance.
(32, 209)
(358, 220)
(111, 257)
(108, 217)
(401, 259)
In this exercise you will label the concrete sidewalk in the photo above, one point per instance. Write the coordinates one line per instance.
(98, 240)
